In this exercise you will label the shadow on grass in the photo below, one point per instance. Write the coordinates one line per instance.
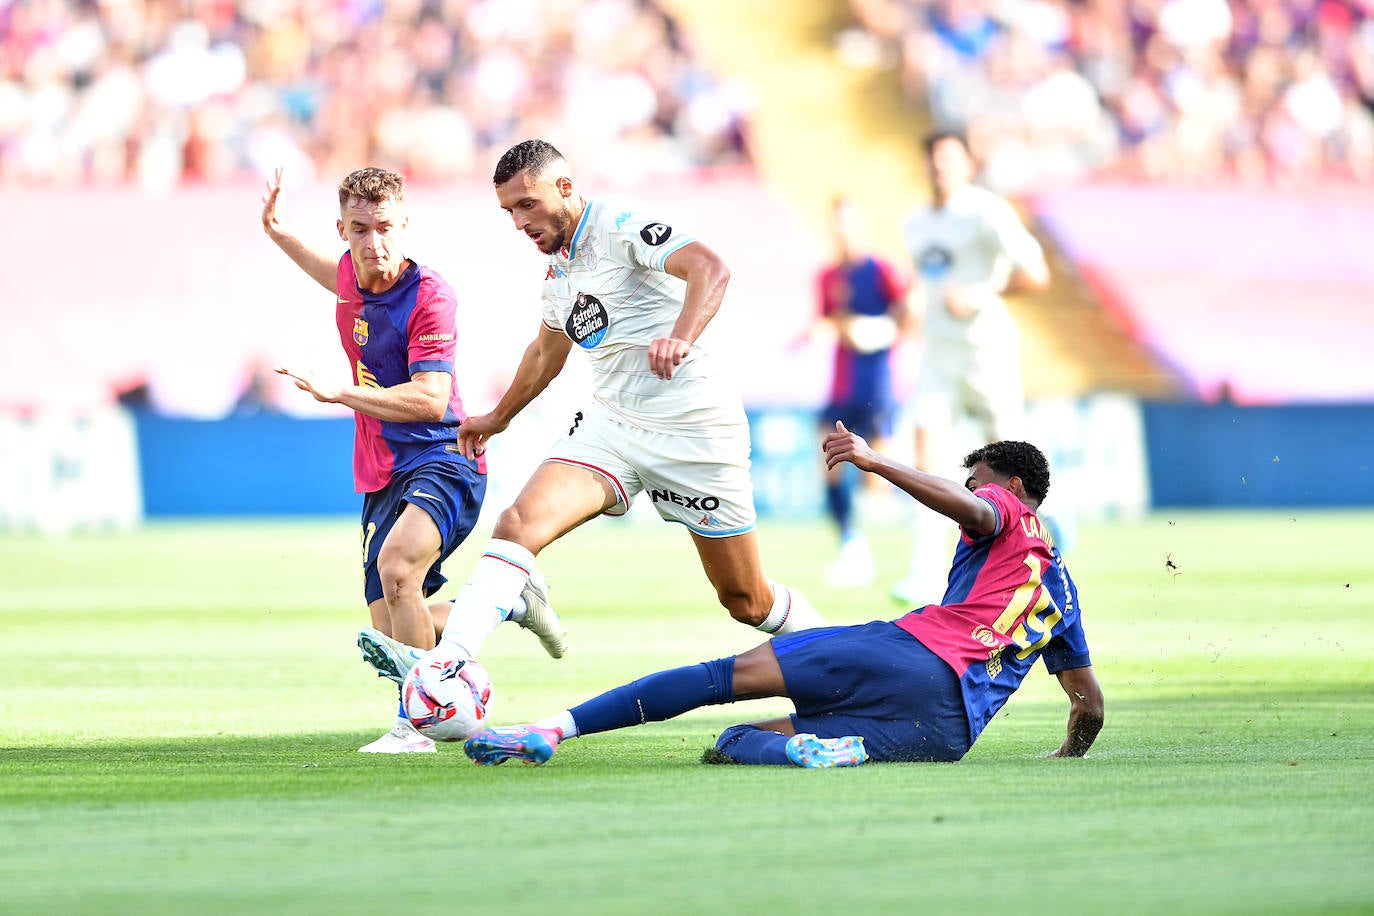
(179, 769)
(1239, 722)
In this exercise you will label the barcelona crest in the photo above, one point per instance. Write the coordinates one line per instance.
(359, 331)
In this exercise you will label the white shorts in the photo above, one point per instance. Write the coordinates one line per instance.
(982, 383)
(700, 482)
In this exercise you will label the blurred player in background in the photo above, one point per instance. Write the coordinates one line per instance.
(862, 300)
(397, 321)
(635, 292)
(918, 688)
(968, 247)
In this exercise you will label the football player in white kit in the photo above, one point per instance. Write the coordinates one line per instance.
(635, 292)
(968, 247)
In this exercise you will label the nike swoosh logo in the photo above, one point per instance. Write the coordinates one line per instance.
(342, 300)
(422, 493)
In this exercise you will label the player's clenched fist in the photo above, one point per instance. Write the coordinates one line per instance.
(474, 432)
(666, 354)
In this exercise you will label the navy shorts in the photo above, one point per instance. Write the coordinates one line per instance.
(872, 421)
(878, 681)
(449, 489)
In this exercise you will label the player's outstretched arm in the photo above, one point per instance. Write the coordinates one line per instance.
(706, 276)
(1030, 271)
(544, 358)
(321, 268)
(947, 497)
(1085, 711)
(1033, 277)
(422, 399)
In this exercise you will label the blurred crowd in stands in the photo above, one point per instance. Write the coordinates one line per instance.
(1180, 90)
(166, 92)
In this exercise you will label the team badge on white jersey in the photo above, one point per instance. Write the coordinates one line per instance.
(609, 293)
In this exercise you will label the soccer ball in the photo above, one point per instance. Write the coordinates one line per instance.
(446, 698)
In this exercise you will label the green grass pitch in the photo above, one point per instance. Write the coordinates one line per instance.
(182, 707)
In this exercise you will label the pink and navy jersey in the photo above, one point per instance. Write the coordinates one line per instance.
(868, 287)
(388, 337)
(1010, 600)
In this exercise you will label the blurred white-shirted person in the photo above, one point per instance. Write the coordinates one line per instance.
(968, 247)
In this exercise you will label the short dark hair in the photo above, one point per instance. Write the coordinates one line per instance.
(1016, 459)
(937, 136)
(373, 185)
(534, 155)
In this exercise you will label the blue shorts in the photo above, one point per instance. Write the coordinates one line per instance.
(872, 421)
(878, 681)
(449, 489)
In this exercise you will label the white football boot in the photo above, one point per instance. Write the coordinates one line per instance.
(403, 739)
(540, 617)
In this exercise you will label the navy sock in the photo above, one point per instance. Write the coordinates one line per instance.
(839, 499)
(657, 697)
(751, 745)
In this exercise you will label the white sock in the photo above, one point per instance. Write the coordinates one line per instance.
(561, 722)
(490, 596)
(518, 610)
(790, 612)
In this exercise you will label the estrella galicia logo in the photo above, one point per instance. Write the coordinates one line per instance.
(655, 233)
(935, 262)
(588, 321)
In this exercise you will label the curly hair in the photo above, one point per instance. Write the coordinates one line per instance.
(373, 185)
(534, 155)
(1016, 459)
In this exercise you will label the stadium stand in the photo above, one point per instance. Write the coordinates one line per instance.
(861, 135)
(150, 96)
(163, 94)
(1053, 91)
(1245, 128)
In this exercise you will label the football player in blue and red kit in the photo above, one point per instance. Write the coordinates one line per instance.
(863, 299)
(397, 322)
(919, 688)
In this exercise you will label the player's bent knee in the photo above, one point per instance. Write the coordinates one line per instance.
(524, 528)
(508, 524)
(399, 577)
(744, 608)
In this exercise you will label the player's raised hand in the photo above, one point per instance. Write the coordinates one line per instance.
(307, 381)
(474, 432)
(319, 265)
(666, 354)
(842, 445)
(270, 223)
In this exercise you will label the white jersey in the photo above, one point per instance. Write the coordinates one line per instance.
(976, 237)
(609, 293)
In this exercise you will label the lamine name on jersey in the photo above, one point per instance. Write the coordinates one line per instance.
(609, 293)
